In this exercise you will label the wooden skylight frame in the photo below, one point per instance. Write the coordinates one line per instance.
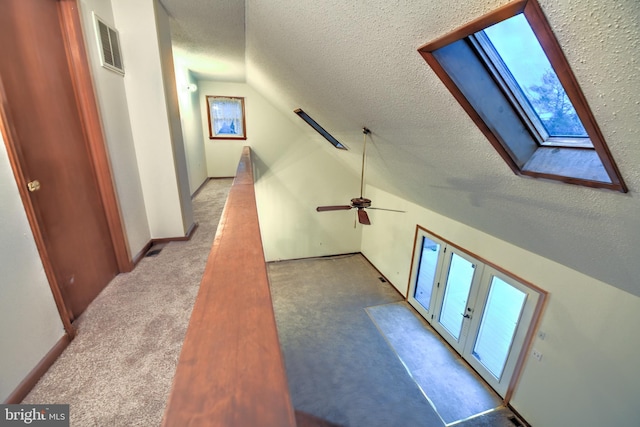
(566, 164)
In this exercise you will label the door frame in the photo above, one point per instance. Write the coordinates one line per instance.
(536, 315)
(80, 72)
(418, 247)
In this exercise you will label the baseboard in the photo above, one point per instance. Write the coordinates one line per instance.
(142, 253)
(36, 373)
(312, 257)
(522, 421)
(191, 231)
(184, 238)
(382, 276)
(164, 240)
(195, 193)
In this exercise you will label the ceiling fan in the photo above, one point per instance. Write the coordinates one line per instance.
(359, 203)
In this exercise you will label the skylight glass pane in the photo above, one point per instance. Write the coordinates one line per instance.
(304, 116)
(517, 45)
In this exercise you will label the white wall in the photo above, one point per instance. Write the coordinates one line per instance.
(588, 375)
(112, 102)
(189, 104)
(29, 321)
(143, 136)
(173, 113)
(294, 173)
(221, 154)
(150, 117)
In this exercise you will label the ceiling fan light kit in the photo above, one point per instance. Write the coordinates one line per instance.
(360, 203)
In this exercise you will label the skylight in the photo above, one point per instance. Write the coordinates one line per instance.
(304, 116)
(525, 60)
(509, 73)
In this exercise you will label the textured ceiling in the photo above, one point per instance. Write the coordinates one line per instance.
(351, 64)
(210, 36)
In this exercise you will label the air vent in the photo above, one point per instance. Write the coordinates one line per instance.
(109, 46)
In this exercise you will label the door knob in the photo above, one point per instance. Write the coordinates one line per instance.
(33, 185)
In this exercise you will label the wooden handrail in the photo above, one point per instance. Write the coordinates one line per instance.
(231, 370)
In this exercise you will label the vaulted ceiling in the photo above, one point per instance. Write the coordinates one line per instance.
(355, 63)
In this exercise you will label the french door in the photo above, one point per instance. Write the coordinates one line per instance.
(481, 312)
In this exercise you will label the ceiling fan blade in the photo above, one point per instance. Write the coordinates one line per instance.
(333, 208)
(363, 218)
(384, 209)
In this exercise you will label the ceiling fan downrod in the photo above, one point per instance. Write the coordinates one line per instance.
(366, 132)
(358, 203)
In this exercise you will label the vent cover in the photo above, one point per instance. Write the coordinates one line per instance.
(109, 46)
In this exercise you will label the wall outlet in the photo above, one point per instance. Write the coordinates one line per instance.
(536, 355)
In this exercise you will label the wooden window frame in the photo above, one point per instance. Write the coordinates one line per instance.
(212, 134)
(541, 164)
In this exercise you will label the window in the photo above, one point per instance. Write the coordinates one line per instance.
(226, 117)
(516, 59)
(508, 72)
(304, 116)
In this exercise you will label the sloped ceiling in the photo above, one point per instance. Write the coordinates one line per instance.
(210, 36)
(355, 63)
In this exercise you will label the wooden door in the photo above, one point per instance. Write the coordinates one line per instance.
(49, 139)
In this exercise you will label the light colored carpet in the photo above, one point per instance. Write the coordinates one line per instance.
(119, 369)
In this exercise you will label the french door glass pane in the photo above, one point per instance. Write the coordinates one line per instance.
(454, 303)
(498, 326)
(426, 272)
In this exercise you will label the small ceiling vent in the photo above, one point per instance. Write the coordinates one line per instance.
(109, 46)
